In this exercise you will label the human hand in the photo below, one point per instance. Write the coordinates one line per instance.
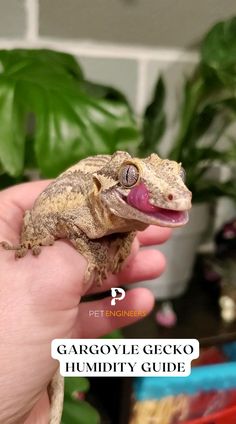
(39, 298)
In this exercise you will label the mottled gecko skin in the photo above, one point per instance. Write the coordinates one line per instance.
(100, 203)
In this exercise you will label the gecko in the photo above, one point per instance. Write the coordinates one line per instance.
(98, 205)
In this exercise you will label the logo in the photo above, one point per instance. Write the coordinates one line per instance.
(115, 291)
(117, 294)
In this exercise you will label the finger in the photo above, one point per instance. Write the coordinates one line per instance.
(154, 235)
(145, 265)
(23, 195)
(98, 318)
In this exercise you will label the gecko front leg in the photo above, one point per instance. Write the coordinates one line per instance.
(95, 251)
(104, 255)
(122, 246)
(97, 256)
(34, 235)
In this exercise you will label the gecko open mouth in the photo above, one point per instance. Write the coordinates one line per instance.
(139, 199)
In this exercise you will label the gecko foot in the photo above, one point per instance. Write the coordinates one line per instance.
(117, 265)
(22, 249)
(8, 246)
(20, 253)
(95, 273)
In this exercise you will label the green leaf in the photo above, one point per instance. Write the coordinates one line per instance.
(115, 334)
(228, 104)
(207, 190)
(75, 384)
(193, 93)
(210, 154)
(196, 125)
(218, 50)
(154, 123)
(203, 121)
(7, 181)
(207, 109)
(12, 131)
(73, 118)
(75, 410)
(73, 124)
(79, 412)
(17, 60)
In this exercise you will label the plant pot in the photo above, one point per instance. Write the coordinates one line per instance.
(180, 253)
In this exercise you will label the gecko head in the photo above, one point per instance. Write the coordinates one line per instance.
(150, 190)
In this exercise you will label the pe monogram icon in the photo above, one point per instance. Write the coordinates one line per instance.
(117, 294)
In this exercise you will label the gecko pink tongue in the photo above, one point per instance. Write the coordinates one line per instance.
(138, 198)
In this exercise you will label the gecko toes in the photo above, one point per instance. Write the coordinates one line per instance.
(22, 249)
(20, 253)
(36, 250)
(8, 246)
(95, 274)
(5, 245)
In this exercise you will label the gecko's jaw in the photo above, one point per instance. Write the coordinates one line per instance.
(138, 198)
(167, 216)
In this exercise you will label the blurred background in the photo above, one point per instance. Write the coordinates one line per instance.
(82, 77)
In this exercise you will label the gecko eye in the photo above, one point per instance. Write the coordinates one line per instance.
(129, 175)
(182, 174)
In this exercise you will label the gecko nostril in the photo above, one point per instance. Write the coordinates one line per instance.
(170, 196)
